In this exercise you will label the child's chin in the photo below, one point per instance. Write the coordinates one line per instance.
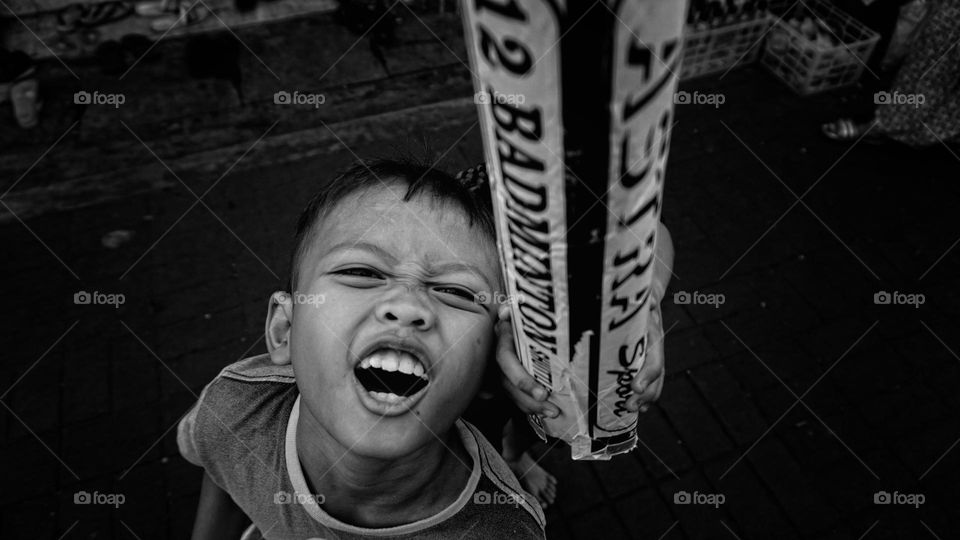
(392, 438)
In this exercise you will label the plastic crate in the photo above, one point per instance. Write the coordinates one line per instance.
(807, 67)
(722, 48)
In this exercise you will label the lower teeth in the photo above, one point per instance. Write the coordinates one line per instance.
(389, 397)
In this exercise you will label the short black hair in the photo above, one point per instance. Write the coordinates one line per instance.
(471, 197)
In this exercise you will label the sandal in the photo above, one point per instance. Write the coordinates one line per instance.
(186, 15)
(846, 129)
(91, 15)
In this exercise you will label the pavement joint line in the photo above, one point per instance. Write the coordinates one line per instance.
(157, 441)
(799, 399)
(940, 140)
(800, 199)
(359, 39)
(199, 199)
(948, 450)
(248, 248)
(55, 256)
(37, 437)
(42, 356)
(39, 159)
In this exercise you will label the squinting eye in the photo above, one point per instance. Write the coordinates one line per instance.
(359, 272)
(456, 291)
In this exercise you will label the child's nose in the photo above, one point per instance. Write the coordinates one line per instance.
(406, 310)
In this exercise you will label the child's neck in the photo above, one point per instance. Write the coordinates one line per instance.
(370, 492)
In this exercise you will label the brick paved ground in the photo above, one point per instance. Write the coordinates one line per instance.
(797, 399)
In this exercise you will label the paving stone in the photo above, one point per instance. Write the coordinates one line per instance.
(701, 433)
(755, 513)
(645, 515)
(659, 446)
(686, 349)
(696, 504)
(621, 475)
(739, 416)
(807, 509)
(587, 525)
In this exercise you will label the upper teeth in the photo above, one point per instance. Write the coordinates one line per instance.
(393, 360)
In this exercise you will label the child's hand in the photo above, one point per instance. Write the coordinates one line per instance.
(529, 395)
(648, 382)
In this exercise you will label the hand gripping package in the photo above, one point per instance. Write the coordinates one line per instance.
(576, 103)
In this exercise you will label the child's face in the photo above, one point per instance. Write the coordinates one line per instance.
(393, 284)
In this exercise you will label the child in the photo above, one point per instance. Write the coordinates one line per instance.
(349, 427)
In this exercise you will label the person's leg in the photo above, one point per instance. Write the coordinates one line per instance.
(518, 438)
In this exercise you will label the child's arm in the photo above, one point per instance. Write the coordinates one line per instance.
(217, 515)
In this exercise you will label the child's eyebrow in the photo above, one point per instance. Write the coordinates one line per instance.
(432, 270)
(365, 246)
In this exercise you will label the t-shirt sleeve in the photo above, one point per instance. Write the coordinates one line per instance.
(187, 433)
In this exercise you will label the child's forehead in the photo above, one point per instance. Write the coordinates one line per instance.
(383, 208)
(433, 230)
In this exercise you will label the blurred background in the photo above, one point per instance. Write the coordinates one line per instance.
(154, 156)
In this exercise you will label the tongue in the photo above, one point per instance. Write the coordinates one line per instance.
(397, 382)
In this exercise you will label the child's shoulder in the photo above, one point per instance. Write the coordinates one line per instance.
(257, 369)
(246, 401)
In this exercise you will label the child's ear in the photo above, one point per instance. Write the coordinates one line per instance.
(279, 319)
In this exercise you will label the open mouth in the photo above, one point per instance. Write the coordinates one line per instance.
(391, 375)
